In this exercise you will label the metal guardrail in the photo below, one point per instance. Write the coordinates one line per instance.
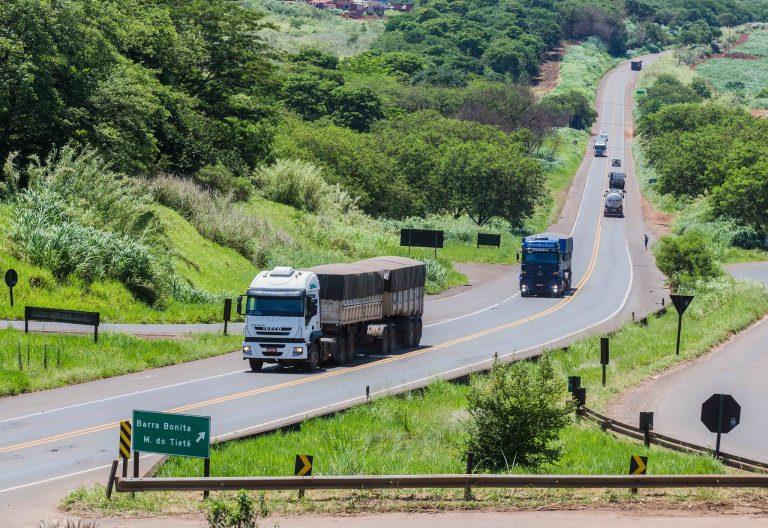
(356, 482)
(668, 442)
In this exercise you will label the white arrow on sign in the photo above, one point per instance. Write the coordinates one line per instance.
(200, 436)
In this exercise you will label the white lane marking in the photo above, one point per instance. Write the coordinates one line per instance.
(491, 307)
(118, 396)
(52, 479)
(384, 392)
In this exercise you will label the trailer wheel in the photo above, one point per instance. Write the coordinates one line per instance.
(351, 350)
(418, 329)
(382, 344)
(313, 359)
(255, 364)
(340, 351)
(408, 334)
(392, 345)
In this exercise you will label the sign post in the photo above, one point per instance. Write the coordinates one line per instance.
(721, 414)
(171, 434)
(681, 303)
(488, 239)
(574, 382)
(604, 356)
(227, 313)
(429, 238)
(11, 280)
(124, 444)
(303, 468)
(638, 465)
(646, 425)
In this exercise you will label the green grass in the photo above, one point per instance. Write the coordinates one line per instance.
(422, 432)
(73, 359)
(582, 67)
(753, 74)
(298, 25)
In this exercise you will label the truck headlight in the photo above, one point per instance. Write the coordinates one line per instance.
(554, 288)
(297, 351)
(247, 350)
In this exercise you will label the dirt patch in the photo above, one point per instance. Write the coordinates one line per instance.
(657, 221)
(728, 54)
(763, 114)
(549, 73)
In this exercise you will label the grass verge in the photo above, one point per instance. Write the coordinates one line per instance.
(33, 362)
(421, 432)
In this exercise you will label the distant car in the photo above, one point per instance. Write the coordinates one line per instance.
(615, 162)
(604, 135)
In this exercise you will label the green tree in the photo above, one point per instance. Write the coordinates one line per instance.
(744, 196)
(686, 258)
(489, 180)
(516, 414)
(355, 107)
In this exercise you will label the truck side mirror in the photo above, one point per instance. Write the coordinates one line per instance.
(239, 305)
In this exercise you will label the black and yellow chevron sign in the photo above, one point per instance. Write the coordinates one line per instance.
(638, 465)
(124, 446)
(303, 467)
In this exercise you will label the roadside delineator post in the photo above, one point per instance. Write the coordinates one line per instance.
(604, 356)
(367, 393)
(470, 469)
(580, 397)
(227, 313)
(646, 425)
(303, 468)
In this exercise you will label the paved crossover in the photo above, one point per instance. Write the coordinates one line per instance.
(52, 440)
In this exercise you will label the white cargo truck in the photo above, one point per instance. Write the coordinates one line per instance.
(307, 317)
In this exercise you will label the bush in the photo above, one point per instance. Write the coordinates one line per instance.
(686, 259)
(77, 217)
(301, 184)
(516, 412)
(219, 178)
(241, 514)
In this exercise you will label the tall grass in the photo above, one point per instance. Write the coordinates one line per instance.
(582, 67)
(219, 219)
(301, 184)
(77, 217)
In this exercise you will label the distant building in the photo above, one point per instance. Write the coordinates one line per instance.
(399, 6)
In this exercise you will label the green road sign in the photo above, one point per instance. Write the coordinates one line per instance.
(172, 434)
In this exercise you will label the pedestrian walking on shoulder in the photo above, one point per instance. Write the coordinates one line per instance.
(646, 241)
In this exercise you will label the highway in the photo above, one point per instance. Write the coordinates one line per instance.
(53, 440)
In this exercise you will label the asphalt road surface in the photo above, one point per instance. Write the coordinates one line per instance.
(53, 440)
(737, 367)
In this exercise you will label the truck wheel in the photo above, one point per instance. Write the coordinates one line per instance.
(313, 359)
(409, 334)
(351, 350)
(382, 344)
(418, 329)
(255, 364)
(392, 345)
(340, 351)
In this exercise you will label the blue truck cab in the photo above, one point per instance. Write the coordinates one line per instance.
(546, 265)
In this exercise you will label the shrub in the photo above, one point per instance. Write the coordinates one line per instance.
(686, 259)
(219, 178)
(301, 184)
(241, 514)
(516, 414)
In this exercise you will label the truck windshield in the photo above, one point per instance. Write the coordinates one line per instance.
(275, 306)
(540, 258)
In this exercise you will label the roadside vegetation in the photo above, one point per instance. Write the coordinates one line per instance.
(33, 362)
(701, 160)
(430, 430)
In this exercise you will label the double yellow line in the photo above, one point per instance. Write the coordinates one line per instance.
(339, 372)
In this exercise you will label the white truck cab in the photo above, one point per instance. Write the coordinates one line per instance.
(282, 315)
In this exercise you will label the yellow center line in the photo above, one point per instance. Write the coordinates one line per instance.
(339, 372)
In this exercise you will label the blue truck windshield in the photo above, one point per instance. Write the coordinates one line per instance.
(275, 306)
(540, 258)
